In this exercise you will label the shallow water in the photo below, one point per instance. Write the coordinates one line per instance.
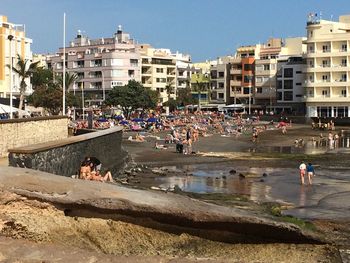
(318, 146)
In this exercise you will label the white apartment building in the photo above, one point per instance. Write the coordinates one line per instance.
(327, 70)
(13, 42)
(265, 93)
(100, 64)
(163, 70)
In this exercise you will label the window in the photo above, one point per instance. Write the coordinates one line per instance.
(325, 93)
(325, 78)
(288, 73)
(325, 63)
(325, 48)
(259, 79)
(134, 62)
(344, 47)
(131, 73)
(116, 83)
(96, 63)
(299, 95)
(266, 67)
(221, 95)
(159, 70)
(343, 77)
(246, 90)
(248, 78)
(288, 95)
(288, 84)
(248, 67)
(259, 90)
(343, 62)
(279, 95)
(221, 85)
(298, 84)
(343, 93)
(221, 74)
(298, 72)
(279, 84)
(310, 33)
(161, 80)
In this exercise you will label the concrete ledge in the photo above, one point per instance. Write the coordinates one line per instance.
(33, 119)
(40, 147)
(63, 157)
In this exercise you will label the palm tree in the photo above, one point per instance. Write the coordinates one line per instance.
(24, 71)
(69, 79)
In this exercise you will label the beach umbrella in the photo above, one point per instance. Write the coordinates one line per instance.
(137, 120)
(118, 117)
(102, 120)
(152, 120)
(123, 122)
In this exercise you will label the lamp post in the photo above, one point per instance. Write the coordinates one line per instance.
(103, 86)
(10, 37)
(82, 99)
(64, 66)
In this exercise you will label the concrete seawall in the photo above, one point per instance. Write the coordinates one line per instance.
(21, 132)
(63, 157)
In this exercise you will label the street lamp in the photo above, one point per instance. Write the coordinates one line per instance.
(103, 86)
(10, 38)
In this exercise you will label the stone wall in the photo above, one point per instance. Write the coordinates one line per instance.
(21, 132)
(63, 157)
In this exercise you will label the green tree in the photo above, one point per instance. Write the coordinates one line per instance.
(24, 71)
(70, 78)
(131, 97)
(184, 97)
(47, 96)
(41, 76)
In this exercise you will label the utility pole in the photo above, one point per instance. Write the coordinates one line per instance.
(10, 37)
(64, 66)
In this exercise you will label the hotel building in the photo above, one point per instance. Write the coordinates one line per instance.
(327, 68)
(100, 64)
(13, 42)
(162, 70)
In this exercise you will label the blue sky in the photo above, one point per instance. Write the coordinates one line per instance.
(205, 29)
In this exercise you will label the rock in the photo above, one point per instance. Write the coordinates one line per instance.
(233, 171)
(217, 178)
(262, 180)
(224, 177)
(264, 174)
(250, 175)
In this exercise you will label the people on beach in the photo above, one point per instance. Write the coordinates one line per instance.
(310, 172)
(91, 170)
(302, 171)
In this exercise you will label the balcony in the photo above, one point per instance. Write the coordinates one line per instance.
(235, 71)
(235, 83)
(263, 72)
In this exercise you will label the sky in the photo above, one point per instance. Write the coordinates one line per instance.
(205, 29)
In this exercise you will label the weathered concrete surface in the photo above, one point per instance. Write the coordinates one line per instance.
(165, 211)
(63, 157)
(26, 251)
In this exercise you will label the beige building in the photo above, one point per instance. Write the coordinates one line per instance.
(266, 67)
(327, 72)
(100, 63)
(12, 37)
(164, 71)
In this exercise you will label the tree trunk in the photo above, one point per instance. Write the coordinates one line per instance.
(21, 100)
